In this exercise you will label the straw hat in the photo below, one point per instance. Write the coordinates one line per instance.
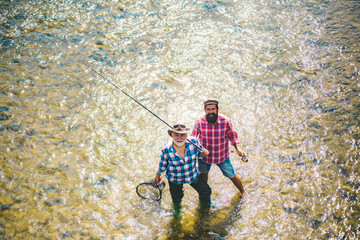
(178, 128)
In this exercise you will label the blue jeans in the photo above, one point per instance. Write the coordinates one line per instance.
(226, 168)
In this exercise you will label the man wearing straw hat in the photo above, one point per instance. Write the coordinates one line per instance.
(214, 132)
(179, 159)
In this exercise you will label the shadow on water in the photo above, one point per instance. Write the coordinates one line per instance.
(209, 224)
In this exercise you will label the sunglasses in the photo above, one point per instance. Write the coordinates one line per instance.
(179, 126)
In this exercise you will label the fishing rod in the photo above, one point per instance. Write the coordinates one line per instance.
(118, 88)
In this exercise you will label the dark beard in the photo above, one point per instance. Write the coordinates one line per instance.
(211, 118)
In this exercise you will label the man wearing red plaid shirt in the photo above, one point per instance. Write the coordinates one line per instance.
(214, 132)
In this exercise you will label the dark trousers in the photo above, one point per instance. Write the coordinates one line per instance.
(199, 184)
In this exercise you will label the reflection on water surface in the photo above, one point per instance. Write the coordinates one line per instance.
(74, 147)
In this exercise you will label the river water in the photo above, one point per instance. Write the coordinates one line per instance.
(73, 147)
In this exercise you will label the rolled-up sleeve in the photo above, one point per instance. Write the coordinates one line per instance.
(232, 134)
(163, 162)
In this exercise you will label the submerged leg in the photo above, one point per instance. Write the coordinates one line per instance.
(201, 186)
(237, 182)
(177, 193)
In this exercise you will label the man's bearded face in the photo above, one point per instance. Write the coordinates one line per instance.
(211, 114)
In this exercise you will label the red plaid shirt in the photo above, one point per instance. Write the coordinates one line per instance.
(215, 138)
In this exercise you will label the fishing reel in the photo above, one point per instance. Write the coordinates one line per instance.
(244, 158)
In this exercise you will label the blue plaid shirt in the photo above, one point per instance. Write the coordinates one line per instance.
(180, 170)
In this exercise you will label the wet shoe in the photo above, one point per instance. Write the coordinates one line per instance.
(214, 205)
(177, 213)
